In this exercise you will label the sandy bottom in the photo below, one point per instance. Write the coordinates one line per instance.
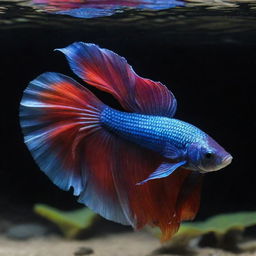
(122, 244)
(126, 244)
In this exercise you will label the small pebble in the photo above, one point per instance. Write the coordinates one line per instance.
(26, 231)
(83, 251)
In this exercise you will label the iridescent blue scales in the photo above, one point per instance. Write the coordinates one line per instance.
(154, 132)
(137, 166)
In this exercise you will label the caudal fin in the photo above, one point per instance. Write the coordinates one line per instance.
(60, 122)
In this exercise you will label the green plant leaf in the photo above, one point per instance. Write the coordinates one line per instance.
(220, 225)
(71, 223)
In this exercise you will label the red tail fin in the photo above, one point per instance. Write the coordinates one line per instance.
(60, 122)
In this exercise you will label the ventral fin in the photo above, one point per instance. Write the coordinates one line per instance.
(110, 72)
(164, 170)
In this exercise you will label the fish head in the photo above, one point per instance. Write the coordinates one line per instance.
(208, 156)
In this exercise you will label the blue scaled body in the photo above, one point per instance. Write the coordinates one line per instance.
(176, 140)
(168, 136)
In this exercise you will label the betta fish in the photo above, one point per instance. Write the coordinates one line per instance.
(139, 166)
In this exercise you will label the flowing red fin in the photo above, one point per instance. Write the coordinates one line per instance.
(100, 193)
(116, 158)
(109, 72)
(189, 198)
(60, 122)
(155, 202)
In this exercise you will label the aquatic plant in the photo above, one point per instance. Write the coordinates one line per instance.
(73, 223)
(70, 223)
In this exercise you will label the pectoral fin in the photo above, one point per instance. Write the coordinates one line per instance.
(172, 152)
(164, 170)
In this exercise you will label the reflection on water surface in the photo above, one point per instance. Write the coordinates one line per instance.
(196, 22)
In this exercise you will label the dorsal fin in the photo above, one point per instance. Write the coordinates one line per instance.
(110, 72)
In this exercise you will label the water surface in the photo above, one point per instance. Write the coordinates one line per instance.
(196, 22)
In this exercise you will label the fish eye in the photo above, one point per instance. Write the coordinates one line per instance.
(208, 155)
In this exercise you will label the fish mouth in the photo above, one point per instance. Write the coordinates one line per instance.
(226, 160)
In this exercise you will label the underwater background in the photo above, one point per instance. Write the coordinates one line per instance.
(205, 53)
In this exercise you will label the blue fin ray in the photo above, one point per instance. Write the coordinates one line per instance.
(164, 170)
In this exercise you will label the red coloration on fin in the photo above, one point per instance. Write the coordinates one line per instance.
(100, 194)
(189, 198)
(69, 116)
(61, 126)
(161, 202)
(109, 72)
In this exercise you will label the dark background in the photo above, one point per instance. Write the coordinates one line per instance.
(211, 75)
